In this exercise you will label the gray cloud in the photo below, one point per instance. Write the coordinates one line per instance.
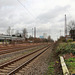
(52, 14)
(7, 3)
(47, 20)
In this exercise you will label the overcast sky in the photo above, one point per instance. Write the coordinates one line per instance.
(46, 15)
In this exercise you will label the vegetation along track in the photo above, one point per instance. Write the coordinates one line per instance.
(15, 49)
(15, 65)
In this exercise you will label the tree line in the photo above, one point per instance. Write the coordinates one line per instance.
(24, 34)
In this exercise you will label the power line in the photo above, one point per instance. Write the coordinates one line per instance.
(25, 8)
(69, 13)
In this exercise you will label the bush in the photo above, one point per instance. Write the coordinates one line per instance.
(66, 48)
(69, 40)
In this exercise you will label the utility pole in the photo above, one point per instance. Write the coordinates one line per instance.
(34, 32)
(65, 26)
(60, 33)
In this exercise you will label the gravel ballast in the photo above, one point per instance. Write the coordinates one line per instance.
(40, 65)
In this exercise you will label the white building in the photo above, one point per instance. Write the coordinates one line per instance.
(45, 35)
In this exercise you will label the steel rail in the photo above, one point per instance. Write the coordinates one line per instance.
(8, 63)
(5, 48)
(27, 62)
(15, 49)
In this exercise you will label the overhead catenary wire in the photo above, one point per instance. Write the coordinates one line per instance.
(26, 9)
(67, 10)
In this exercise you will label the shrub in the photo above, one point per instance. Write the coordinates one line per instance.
(69, 40)
(66, 48)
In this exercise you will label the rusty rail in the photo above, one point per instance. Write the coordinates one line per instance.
(25, 64)
(8, 63)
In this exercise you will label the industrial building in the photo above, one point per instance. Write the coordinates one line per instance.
(8, 38)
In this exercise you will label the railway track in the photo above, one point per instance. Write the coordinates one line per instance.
(15, 49)
(10, 56)
(15, 46)
(12, 67)
(18, 46)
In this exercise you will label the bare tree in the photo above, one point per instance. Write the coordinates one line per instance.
(12, 31)
(17, 32)
(49, 38)
(71, 25)
(9, 30)
(24, 33)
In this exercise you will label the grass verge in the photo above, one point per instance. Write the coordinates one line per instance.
(71, 65)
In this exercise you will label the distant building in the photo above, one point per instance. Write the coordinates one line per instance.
(8, 38)
(41, 37)
(45, 35)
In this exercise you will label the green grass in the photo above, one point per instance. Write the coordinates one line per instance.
(70, 60)
(51, 69)
(64, 48)
(70, 64)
